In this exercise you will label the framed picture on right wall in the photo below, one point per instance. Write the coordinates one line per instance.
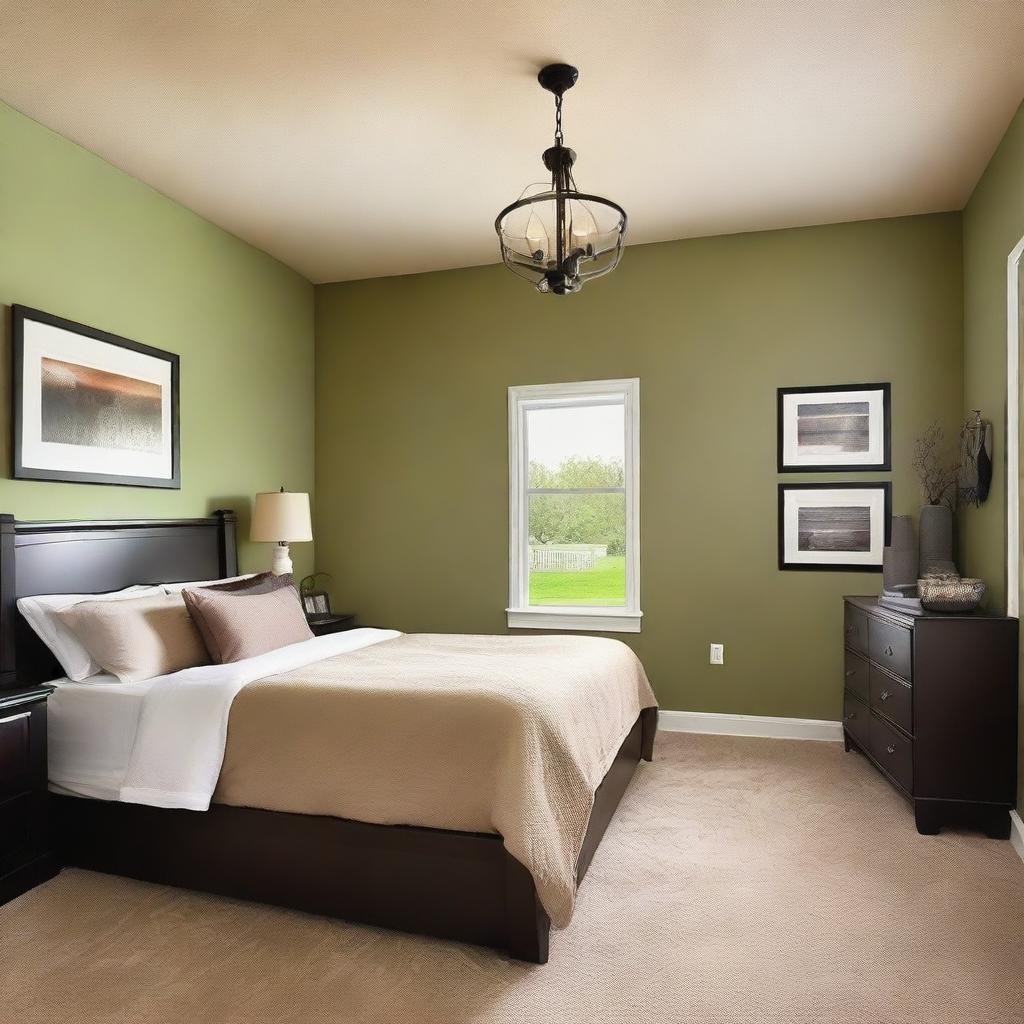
(834, 527)
(834, 428)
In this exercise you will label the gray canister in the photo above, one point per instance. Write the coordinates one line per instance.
(899, 559)
(936, 540)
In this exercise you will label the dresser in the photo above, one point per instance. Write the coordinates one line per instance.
(931, 700)
(25, 855)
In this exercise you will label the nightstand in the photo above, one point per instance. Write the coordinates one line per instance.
(332, 624)
(25, 855)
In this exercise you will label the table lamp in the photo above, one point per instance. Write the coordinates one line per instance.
(281, 517)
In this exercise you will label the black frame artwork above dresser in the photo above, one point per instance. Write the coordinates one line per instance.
(931, 700)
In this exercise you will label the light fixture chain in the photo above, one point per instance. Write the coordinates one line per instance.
(558, 119)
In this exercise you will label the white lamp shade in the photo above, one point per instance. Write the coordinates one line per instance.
(281, 516)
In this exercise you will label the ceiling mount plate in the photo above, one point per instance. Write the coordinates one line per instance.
(558, 78)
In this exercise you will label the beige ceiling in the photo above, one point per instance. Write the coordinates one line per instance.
(363, 139)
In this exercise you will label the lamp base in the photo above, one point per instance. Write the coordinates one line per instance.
(282, 561)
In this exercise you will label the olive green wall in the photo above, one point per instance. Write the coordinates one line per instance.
(80, 239)
(993, 224)
(412, 476)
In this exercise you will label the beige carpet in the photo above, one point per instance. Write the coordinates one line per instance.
(742, 881)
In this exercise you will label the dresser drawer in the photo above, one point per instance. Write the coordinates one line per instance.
(855, 675)
(855, 629)
(890, 647)
(892, 698)
(15, 752)
(16, 831)
(856, 720)
(893, 751)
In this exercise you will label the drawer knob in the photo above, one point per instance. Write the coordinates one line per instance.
(889, 652)
(851, 716)
(851, 629)
(884, 695)
(891, 749)
(850, 672)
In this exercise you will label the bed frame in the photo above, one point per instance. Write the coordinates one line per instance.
(454, 885)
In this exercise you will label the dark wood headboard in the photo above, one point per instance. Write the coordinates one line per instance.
(93, 557)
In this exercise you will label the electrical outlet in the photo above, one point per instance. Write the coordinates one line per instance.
(718, 654)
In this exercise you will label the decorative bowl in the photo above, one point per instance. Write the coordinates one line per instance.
(950, 593)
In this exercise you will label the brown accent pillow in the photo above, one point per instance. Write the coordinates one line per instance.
(244, 618)
(261, 583)
(137, 638)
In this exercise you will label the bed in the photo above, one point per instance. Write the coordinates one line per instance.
(453, 883)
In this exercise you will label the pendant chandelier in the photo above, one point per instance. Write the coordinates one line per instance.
(555, 236)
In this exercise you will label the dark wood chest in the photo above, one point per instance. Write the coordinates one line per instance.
(932, 701)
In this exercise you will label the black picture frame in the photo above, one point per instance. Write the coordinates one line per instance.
(19, 315)
(883, 485)
(884, 466)
(316, 604)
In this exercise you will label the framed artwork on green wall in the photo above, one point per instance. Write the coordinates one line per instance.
(834, 428)
(92, 407)
(839, 527)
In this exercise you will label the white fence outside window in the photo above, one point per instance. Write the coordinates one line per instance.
(565, 557)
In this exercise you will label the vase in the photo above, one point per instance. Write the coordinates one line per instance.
(899, 558)
(936, 534)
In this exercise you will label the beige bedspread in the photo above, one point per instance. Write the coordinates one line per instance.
(473, 733)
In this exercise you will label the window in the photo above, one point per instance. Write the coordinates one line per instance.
(574, 506)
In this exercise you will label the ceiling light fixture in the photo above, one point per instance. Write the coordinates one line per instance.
(555, 236)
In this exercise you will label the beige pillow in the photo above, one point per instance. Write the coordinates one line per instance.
(241, 624)
(138, 638)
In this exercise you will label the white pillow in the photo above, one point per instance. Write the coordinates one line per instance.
(177, 588)
(40, 613)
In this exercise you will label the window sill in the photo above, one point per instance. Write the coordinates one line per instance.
(591, 620)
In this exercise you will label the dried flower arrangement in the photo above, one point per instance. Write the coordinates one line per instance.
(947, 476)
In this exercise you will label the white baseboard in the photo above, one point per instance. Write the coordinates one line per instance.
(750, 725)
(1017, 833)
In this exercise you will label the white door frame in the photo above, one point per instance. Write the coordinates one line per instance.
(1013, 429)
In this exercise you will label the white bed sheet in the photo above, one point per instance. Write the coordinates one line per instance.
(90, 732)
(161, 741)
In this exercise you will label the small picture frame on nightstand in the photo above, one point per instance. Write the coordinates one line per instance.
(316, 604)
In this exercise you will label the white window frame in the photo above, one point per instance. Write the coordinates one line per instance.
(1013, 344)
(592, 619)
